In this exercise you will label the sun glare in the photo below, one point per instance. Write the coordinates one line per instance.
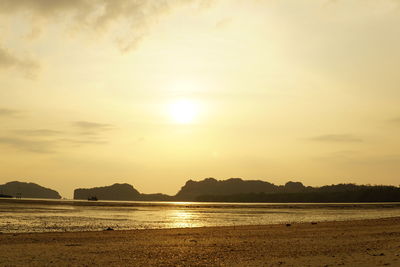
(183, 111)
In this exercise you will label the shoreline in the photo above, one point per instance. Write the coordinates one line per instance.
(370, 242)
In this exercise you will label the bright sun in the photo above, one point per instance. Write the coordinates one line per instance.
(183, 111)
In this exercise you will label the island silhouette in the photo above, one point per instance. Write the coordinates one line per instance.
(213, 190)
(27, 190)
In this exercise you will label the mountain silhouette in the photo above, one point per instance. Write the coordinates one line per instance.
(294, 192)
(238, 190)
(230, 190)
(123, 192)
(210, 186)
(112, 192)
(27, 190)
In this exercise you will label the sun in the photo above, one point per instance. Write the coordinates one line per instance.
(183, 111)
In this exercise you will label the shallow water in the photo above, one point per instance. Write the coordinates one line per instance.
(17, 216)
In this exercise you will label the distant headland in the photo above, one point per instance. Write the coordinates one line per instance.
(213, 190)
(122, 192)
(27, 190)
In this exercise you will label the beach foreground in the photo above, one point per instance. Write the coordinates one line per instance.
(350, 243)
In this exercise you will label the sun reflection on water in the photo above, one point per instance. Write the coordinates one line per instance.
(182, 218)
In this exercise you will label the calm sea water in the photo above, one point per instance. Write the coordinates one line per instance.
(28, 215)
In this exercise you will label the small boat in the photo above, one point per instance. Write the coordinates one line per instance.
(5, 196)
(92, 198)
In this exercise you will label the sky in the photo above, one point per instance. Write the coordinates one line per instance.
(153, 93)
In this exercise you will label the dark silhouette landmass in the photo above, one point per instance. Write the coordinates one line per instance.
(156, 197)
(212, 187)
(120, 192)
(238, 190)
(212, 190)
(112, 192)
(333, 194)
(27, 190)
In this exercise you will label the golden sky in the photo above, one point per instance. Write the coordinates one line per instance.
(154, 93)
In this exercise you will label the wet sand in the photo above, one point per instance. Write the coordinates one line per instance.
(351, 243)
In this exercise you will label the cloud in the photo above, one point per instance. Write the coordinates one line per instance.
(44, 140)
(38, 132)
(5, 112)
(28, 67)
(35, 146)
(395, 121)
(88, 125)
(126, 22)
(77, 142)
(337, 138)
(137, 16)
(91, 128)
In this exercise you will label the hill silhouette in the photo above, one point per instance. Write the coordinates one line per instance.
(112, 192)
(28, 190)
(230, 190)
(117, 192)
(294, 192)
(212, 187)
(238, 190)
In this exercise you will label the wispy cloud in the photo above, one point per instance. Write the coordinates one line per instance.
(35, 146)
(78, 142)
(27, 66)
(91, 128)
(395, 121)
(46, 140)
(337, 138)
(5, 112)
(92, 125)
(136, 16)
(37, 132)
(45, 145)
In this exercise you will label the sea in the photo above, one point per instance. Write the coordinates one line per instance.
(40, 215)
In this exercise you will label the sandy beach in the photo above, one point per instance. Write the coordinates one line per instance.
(350, 243)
